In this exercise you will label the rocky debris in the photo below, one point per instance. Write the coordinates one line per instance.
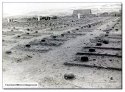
(19, 60)
(29, 56)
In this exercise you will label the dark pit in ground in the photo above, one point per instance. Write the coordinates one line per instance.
(116, 29)
(28, 45)
(27, 33)
(105, 42)
(62, 35)
(8, 52)
(68, 32)
(111, 78)
(36, 31)
(18, 36)
(106, 34)
(98, 44)
(54, 36)
(89, 26)
(43, 40)
(84, 59)
(69, 76)
(91, 50)
(77, 29)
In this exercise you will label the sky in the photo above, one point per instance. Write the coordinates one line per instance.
(28, 9)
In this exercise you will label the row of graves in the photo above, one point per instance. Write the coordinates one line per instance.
(51, 42)
(103, 52)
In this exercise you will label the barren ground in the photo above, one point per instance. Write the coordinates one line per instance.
(48, 69)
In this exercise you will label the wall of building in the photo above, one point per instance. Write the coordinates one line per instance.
(82, 12)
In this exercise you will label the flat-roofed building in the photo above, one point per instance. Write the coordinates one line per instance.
(81, 12)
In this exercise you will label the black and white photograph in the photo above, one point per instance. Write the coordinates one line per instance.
(62, 45)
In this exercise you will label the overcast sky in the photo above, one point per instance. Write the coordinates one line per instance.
(14, 9)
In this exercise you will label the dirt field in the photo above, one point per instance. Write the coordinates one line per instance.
(38, 53)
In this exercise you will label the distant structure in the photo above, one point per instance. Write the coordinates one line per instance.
(116, 14)
(38, 18)
(104, 14)
(82, 12)
(78, 15)
(12, 20)
(9, 20)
